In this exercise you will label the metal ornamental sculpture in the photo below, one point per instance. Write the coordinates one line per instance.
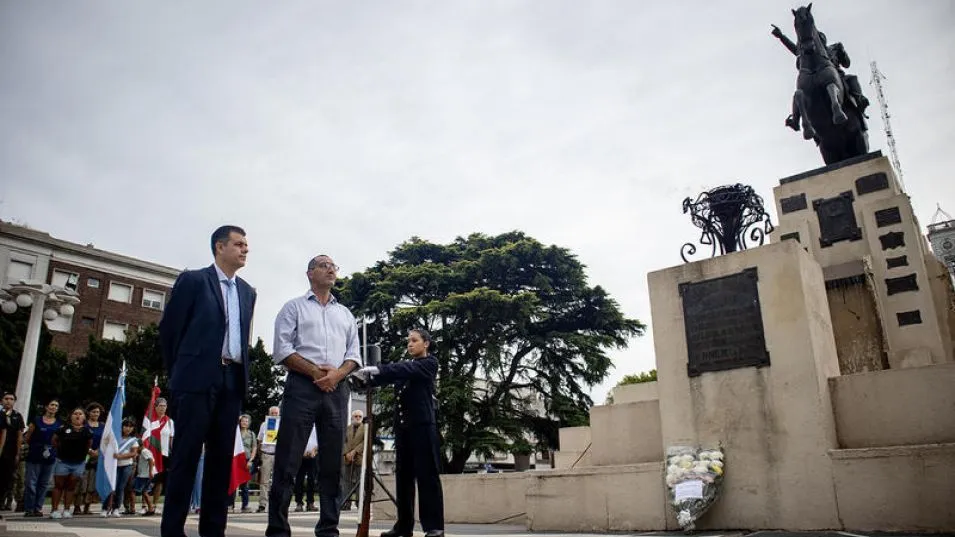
(732, 218)
(828, 104)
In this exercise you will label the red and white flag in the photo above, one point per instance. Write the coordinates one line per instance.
(152, 429)
(240, 464)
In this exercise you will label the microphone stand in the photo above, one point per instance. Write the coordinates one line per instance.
(365, 485)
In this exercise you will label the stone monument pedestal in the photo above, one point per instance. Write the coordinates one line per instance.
(888, 303)
(744, 350)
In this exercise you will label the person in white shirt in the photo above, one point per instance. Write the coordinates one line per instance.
(316, 339)
(267, 453)
(125, 455)
(167, 433)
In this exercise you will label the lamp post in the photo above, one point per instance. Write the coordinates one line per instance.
(47, 303)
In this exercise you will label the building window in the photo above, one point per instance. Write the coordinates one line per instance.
(153, 299)
(120, 292)
(92, 282)
(19, 270)
(66, 280)
(87, 322)
(114, 331)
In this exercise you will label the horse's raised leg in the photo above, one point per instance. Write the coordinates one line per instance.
(801, 111)
(793, 120)
(835, 97)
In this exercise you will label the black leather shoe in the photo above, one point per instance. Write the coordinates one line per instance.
(395, 533)
(434, 533)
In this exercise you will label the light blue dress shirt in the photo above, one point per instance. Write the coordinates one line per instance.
(323, 335)
(224, 288)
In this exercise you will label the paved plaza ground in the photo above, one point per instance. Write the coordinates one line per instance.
(247, 525)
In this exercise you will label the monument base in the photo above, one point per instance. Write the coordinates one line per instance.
(774, 421)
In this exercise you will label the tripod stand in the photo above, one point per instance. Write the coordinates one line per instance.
(376, 476)
(369, 475)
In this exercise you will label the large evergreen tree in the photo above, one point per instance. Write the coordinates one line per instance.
(519, 334)
(265, 382)
(49, 379)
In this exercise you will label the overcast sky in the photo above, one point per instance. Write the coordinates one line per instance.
(348, 127)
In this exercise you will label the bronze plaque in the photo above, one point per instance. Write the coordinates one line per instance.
(872, 183)
(907, 318)
(724, 323)
(887, 217)
(793, 203)
(837, 219)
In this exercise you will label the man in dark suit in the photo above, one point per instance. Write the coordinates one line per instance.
(204, 334)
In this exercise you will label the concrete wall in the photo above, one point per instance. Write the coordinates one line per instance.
(608, 498)
(774, 422)
(895, 407)
(629, 433)
(944, 295)
(902, 489)
(909, 345)
(857, 328)
(574, 447)
(635, 393)
(473, 498)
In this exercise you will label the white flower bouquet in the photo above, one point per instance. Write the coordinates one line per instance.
(693, 478)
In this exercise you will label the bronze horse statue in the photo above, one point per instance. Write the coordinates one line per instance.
(822, 106)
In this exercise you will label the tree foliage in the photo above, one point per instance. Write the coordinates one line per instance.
(48, 380)
(265, 382)
(92, 378)
(519, 334)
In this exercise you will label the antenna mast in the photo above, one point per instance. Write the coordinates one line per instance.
(877, 78)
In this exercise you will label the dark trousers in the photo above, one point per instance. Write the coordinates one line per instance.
(304, 405)
(351, 475)
(209, 418)
(305, 481)
(8, 470)
(115, 500)
(417, 460)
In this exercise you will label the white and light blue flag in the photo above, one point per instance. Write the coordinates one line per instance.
(106, 465)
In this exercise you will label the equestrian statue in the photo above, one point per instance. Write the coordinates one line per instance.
(828, 104)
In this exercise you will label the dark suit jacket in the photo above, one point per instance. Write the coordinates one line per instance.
(193, 327)
(414, 389)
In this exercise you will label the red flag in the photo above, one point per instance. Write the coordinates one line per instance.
(240, 465)
(152, 427)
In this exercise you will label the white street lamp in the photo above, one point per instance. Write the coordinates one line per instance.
(45, 300)
(24, 301)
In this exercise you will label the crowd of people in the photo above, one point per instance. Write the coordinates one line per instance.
(203, 335)
(57, 457)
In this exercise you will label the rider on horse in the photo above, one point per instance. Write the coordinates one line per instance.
(840, 59)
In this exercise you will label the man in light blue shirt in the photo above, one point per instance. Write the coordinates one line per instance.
(316, 339)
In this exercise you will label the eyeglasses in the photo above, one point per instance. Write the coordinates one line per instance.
(325, 265)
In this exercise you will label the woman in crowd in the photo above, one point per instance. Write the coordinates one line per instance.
(73, 444)
(417, 449)
(128, 447)
(167, 432)
(86, 489)
(41, 456)
(250, 447)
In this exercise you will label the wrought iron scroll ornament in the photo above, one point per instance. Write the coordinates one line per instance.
(731, 218)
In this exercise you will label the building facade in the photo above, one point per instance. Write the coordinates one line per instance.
(942, 237)
(118, 293)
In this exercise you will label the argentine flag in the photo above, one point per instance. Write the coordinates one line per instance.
(106, 465)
